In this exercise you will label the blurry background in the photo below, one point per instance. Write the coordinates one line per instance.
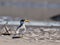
(30, 9)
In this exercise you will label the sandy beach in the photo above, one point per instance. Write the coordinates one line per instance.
(33, 36)
(8, 41)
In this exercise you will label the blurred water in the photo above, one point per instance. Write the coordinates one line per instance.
(12, 21)
(32, 23)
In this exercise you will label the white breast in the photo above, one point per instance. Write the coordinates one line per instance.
(22, 27)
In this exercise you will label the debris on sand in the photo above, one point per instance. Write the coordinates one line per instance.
(43, 34)
(38, 34)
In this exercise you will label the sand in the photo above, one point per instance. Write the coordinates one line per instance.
(34, 36)
(8, 41)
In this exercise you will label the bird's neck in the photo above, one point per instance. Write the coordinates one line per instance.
(21, 22)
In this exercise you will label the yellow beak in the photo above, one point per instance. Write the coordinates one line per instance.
(27, 20)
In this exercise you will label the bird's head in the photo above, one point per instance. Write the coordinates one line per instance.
(24, 20)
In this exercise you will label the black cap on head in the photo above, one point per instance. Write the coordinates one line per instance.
(22, 20)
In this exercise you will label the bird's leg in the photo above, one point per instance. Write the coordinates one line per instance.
(24, 31)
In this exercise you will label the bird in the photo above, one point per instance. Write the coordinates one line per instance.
(21, 29)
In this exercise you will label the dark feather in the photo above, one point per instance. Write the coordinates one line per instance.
(56, 18)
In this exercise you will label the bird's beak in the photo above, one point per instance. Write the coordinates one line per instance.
(27, 20)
